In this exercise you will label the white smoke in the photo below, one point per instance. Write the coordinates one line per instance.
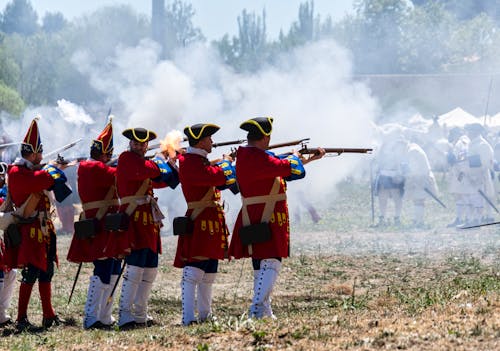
(310, 93)
(72, 113)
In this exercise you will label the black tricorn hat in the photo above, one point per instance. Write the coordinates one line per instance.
(139, 134)
(259, 126)
(200, 130)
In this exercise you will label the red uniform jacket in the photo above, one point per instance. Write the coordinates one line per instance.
(131, 172)
(256, 172)
(210, 235)
(95, 178)
(34, 242)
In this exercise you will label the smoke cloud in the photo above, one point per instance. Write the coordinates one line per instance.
(310, 93)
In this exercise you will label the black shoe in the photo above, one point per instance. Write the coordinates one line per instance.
(129, 326)
(6, 323)
(53, 321)
(148, 323)
(97, 325)
(107, 326)
(24, 325)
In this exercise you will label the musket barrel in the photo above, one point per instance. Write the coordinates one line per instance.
(290, 143)
(226, 143)
(61, 149)
(331, 150)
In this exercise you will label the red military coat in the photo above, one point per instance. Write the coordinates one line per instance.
(210, 235)
(256, 172)
(34, 242)
(131, 172)
(95, 179)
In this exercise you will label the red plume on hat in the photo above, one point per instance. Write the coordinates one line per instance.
(32, 141)
(104, 142)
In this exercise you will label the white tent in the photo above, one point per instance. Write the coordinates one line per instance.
(418, 122)
(457, 118)
(493, 121)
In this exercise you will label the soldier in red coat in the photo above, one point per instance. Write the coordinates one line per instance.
(262, 229)
(7, 276)
(37, 252)
(198, 252)
(135, 177)
(96, 187)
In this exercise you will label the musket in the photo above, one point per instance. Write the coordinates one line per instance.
(110, 297)
(227, 143)
(9, 144)
(214, 145)
(331, 150)
(479, 225)
(74, 282)
(61, 149)
(487, 200)
(434, 197)
(60, 160)
(290, 143)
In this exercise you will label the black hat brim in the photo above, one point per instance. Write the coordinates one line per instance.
(139, 134)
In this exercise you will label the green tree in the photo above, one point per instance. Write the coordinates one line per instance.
(303, 30)
(19, 17)
(38, 58)
(467, 9)
(249, 50)
(108, 28)
(179, 27)
(53, 22)
(10, 101)
(374, 34)
(9, 70)
(424, 44)
(474, 46)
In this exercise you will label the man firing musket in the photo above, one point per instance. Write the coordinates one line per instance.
(262, 229)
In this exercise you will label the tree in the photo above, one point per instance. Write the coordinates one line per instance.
(19, 17)
(467, 9)
(9, 70)
(303, 30)
(10, 101)
(107, 28)
(38, 58)
(424, 45)
(249, 50)
(180, 31)
(378, 26)
(53, 22)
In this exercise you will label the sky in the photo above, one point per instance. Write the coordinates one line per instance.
(280, 13)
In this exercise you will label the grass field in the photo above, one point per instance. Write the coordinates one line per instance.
(346, 286)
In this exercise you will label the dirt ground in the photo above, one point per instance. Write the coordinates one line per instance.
(371, 290)
(346, 286)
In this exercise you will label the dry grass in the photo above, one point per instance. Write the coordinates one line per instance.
(344, 288)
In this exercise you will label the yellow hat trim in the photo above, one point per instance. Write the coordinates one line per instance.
(251, 121)
(196, 137)
(139, 139)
